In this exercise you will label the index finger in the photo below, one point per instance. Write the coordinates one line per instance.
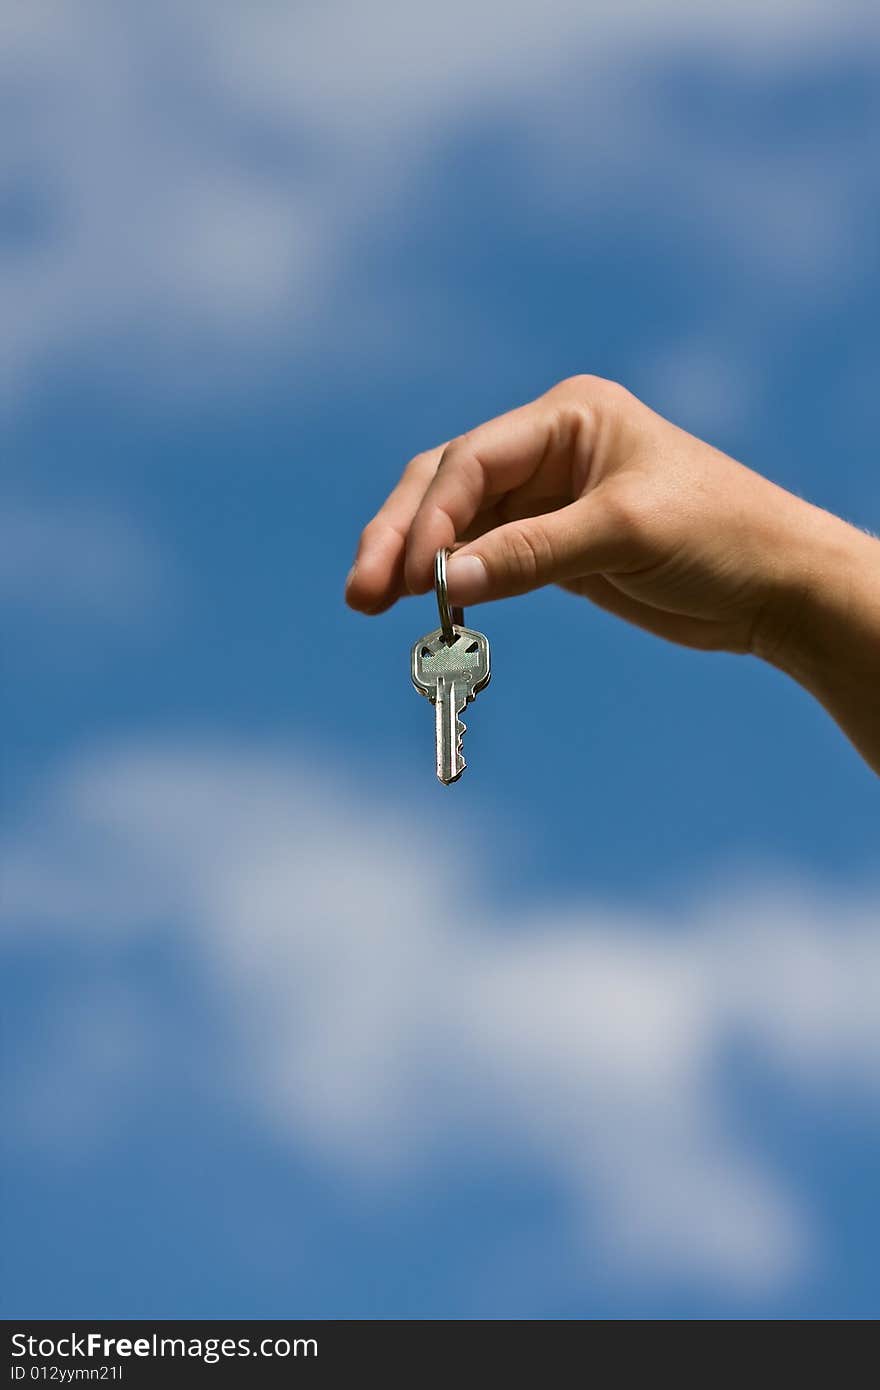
(376, 577)
(474, 468)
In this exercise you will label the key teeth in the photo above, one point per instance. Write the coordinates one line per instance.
(460, 730)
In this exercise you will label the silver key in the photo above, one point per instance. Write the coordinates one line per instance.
(450, 667)
(450, 675)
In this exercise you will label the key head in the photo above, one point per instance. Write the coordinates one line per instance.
(464, 661)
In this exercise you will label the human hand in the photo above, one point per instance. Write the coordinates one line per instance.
(588, 488)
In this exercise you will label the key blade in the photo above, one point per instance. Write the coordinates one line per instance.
(449, 701)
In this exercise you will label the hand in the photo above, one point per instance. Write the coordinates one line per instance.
(588, 488)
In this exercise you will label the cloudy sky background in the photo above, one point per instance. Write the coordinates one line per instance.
(289, 1029)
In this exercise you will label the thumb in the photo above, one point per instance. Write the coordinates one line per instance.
(524, 555)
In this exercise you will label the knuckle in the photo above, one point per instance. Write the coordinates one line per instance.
(455, 449)
(420, 463)
(372, 530)
(525, 553)
(583, 382)
(575, 416)
(586, 386)
(617, 398)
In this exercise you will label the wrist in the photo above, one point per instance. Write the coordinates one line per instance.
(822, 624)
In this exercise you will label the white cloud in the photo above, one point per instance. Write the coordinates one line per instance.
(199, 180)
(374, 1020)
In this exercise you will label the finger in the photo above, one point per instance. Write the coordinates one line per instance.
(360, 596)
(483, 465)
(376, 579)
(555, 548)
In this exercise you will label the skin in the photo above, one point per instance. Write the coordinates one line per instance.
(588, 488)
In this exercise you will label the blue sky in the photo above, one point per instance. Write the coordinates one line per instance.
(264, 1057)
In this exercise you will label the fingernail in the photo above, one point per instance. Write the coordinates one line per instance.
(467, 579)
(351, 574)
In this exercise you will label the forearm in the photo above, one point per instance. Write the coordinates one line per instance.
(825, 629)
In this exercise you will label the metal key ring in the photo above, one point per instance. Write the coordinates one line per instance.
(448, 615)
